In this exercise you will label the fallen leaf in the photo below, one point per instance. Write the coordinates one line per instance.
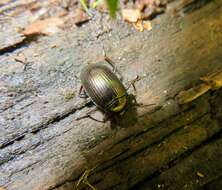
(139, 25)
(150, 7)
(79, 17)
(47, 27)
(147, 25)
(141, 4)
(63, 13)
(53, 46)
(142, 25)
(131, 15)
(35, 6)
(199, 174)
(21, 58)
(214, 80)
(192, 94)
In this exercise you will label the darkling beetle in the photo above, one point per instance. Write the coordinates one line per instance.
(105, 89)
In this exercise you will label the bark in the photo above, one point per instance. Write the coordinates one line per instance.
(43, 146)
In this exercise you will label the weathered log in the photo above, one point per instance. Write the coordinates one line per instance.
(42, 146)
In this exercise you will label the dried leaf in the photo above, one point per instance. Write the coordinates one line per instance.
(199, 174)
(142, 25)
(150, 7)
(79, 17)
(139, 25)
(131, 15)
(147, 25)
(47, 27)
(141, 4)
(214, 80)
(192, 94)
(35, 6)
(21, 58)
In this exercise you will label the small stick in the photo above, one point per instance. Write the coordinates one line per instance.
(84, 179)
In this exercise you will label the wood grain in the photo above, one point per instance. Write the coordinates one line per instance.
(42, 146)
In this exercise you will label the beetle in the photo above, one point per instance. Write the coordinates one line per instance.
(105, 89)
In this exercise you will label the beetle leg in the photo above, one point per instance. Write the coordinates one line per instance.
(82, 92)
(112, 64)
(132, 83)
(88, 115)
(101, 121)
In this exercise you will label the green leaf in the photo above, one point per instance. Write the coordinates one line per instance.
(84, 5)
(112, 5)
(95, 3)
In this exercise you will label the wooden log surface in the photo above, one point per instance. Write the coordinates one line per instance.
(165, 145)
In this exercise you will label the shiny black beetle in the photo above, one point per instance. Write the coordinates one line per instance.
(104, 88)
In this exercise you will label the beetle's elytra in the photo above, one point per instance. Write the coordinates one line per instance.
(104, 88)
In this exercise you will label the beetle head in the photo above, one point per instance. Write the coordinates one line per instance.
(118, 104)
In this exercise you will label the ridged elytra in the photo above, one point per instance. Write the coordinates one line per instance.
(105, 89)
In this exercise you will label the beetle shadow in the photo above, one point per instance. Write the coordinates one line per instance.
(123, 120)
(128, 118)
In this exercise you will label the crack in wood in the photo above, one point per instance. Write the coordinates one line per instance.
(195, 5)
(44, 124)
(157, 126)
(177, 160)
(118, 159)
(13, 47)
(55, 118)
(190, 151)
(187, 153)
(132, 137)
(99, 170)
(180, 158)
(12, 157)
(19, 99)
(211, 182)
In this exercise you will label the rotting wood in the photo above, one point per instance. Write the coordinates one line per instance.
(185, 174)
(146, 141)
(148, 153)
